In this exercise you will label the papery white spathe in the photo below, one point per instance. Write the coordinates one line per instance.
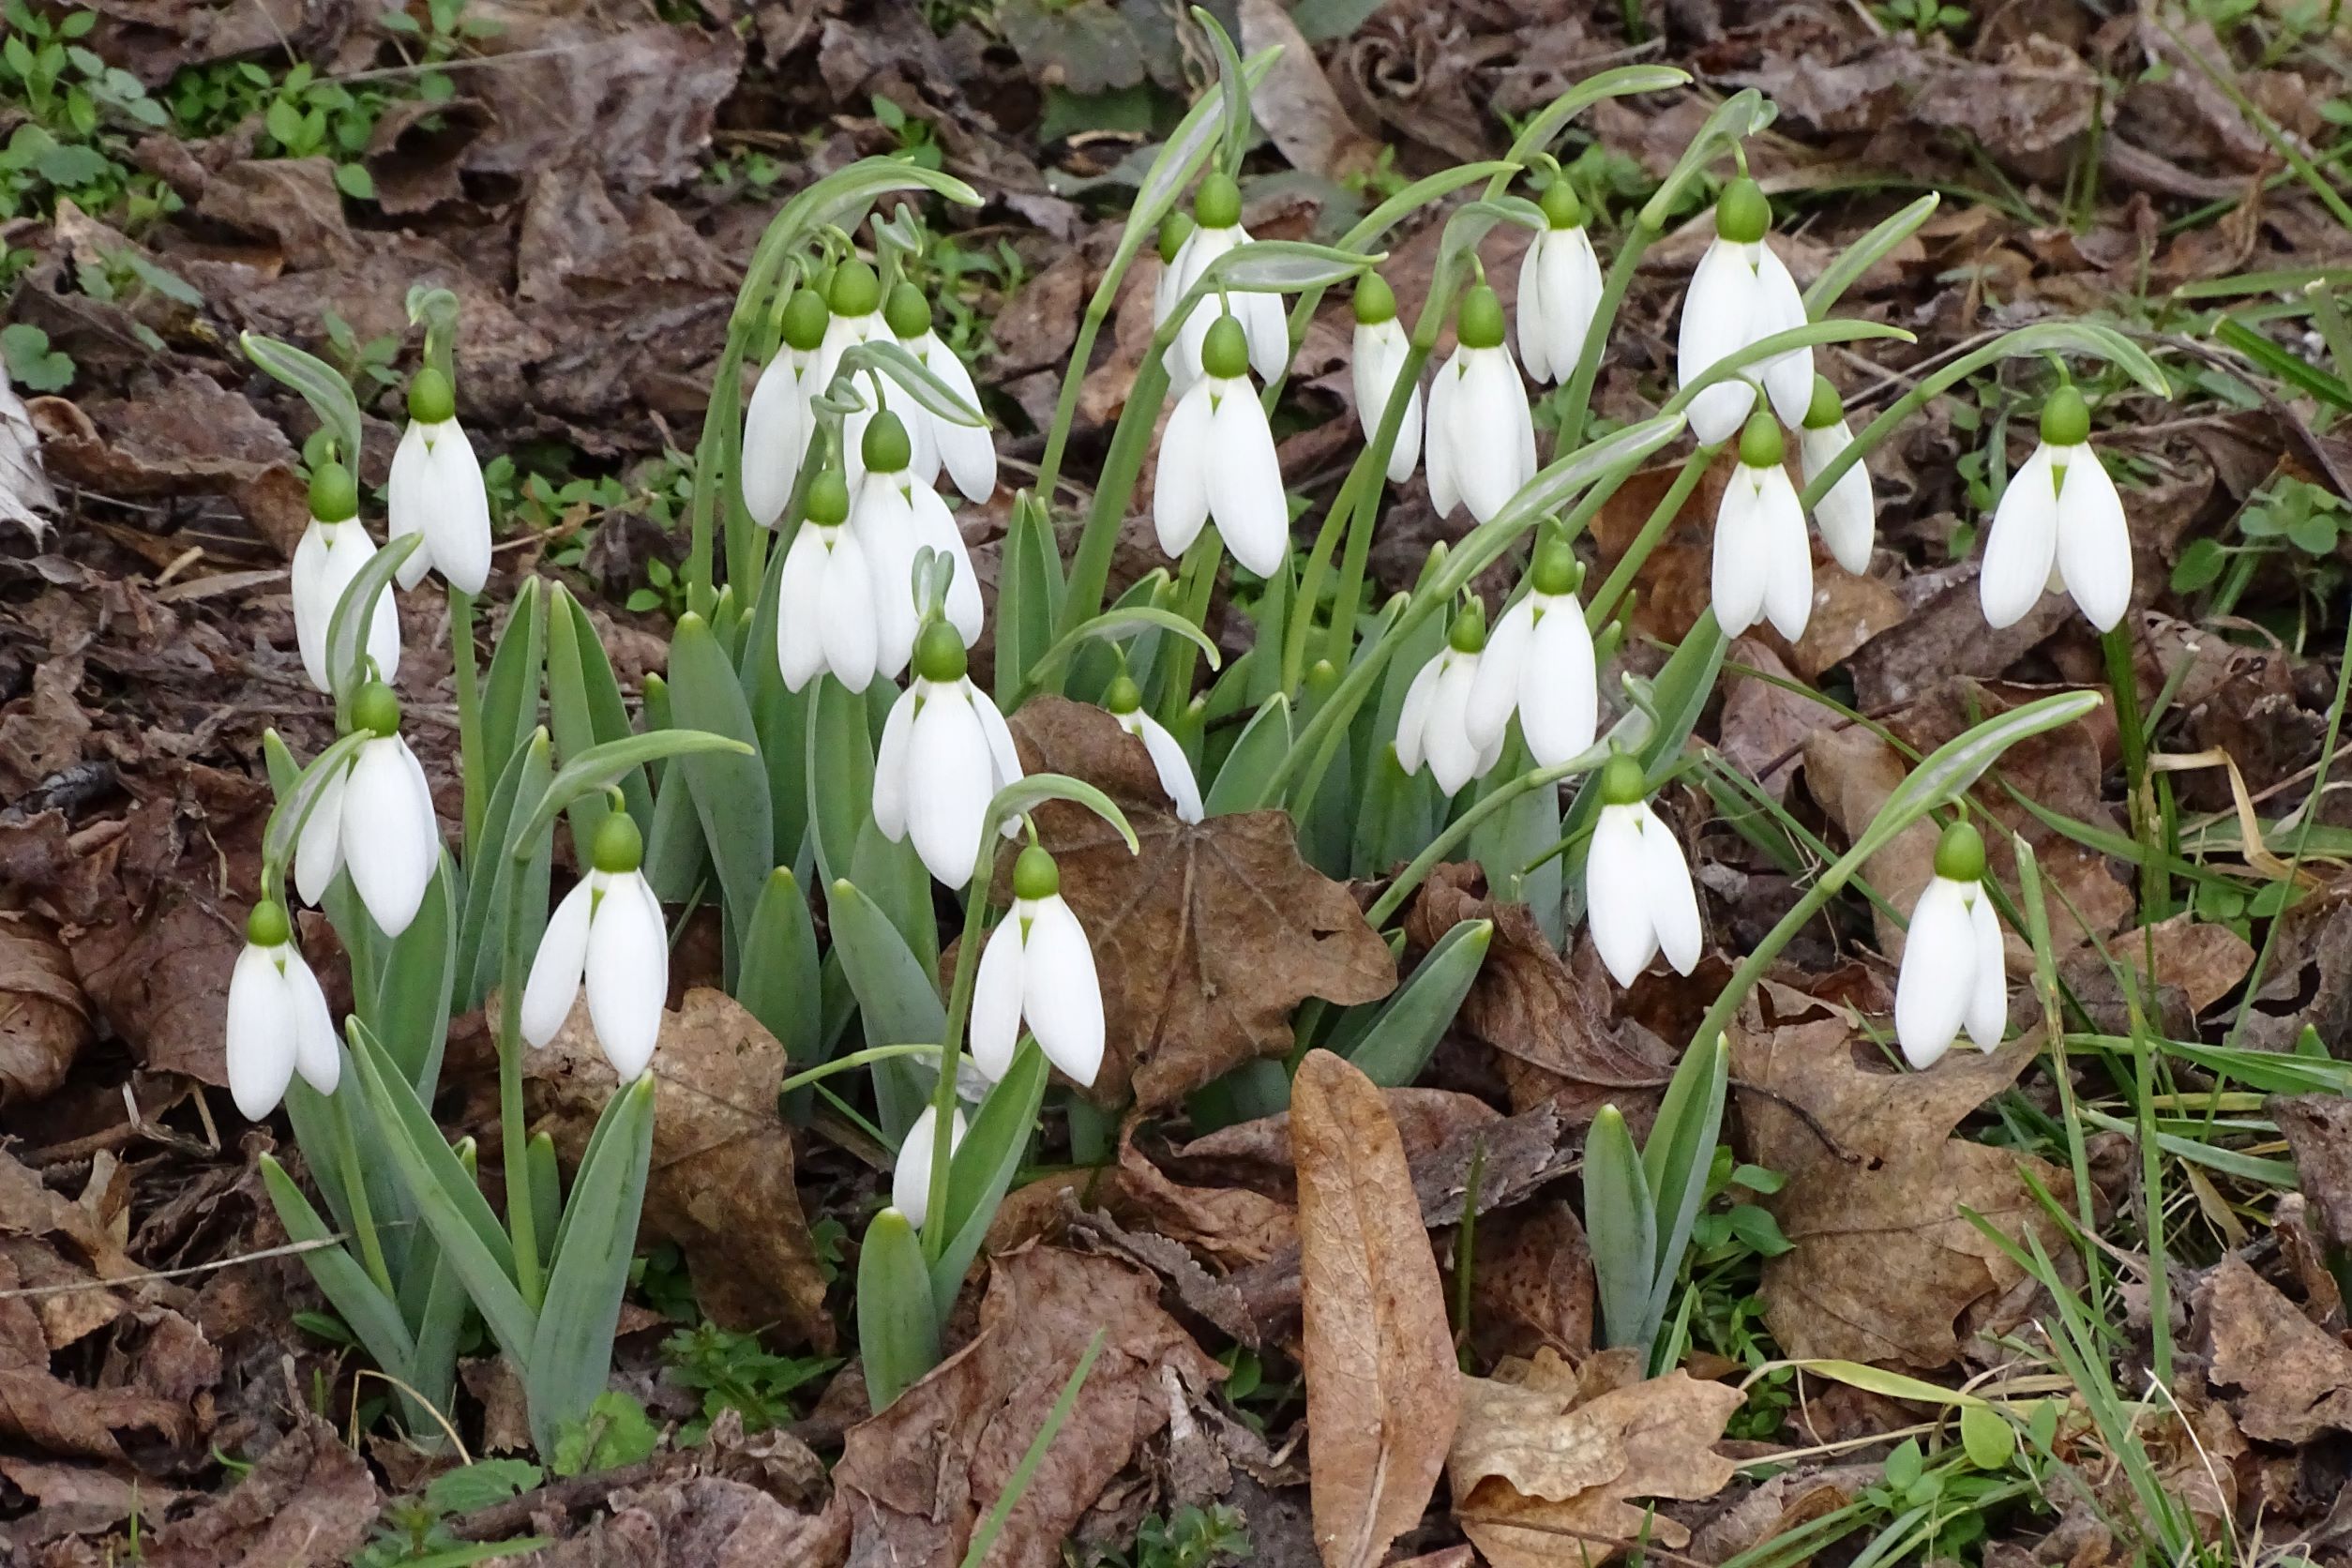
(896, 515)
(910, 1178)
(1433, 725)
(377, 820)
(1638, 896)
(436, 490)
(1263, 324)
(1538, 664)
(278, 1024)
(609, 935)
(944, 754)
(325, 559)
(1559, 293)
(2059, 525)
(1379, 352)
(1038, 966)
(1217, 463)
(1951, 974)
(1763, 565)
(1849, 515)
(1482, 436)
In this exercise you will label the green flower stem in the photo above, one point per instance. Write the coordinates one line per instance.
(1311, 575)
(1195, 585)
(951, 1053)
(466, 677)
(2131, 738)
(1459, 830)
(363, 1218)
(1621, 578)
(1090, 564)
(1368, 479)
(1082, 356)
(522, 1225)
(855, 1059)
(717, 458)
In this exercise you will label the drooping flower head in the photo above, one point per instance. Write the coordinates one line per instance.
(376, 820)
(1124, 700)
(910, 1177)
(1216, 227)
(1434, 723)
(966, 450)
(777, 426)
(1741, 295)
(1539, 664)
(1379, 354)
(608, 933)
(1560, 288)
(1038, 967)
(1217, 461)
(1849, 515)
(277, 1022)
(944, 754)
(1952, 972)
(1482, 436)
(2059, 525)
(1637, 893)
(332, 550)
(895, 514)
(824, 610)
(1763, 567)
(436, 490)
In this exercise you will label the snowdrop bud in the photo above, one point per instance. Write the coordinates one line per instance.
(1638, 897)
(1540, 665)
(278, 1018)
(1038, 967)
(1740, 293)
(826, 604)
(1763, 565)
(1560, 288)
(1217, 461)
(1175, 228)
(895, 514)
(911, 1179)
(608, 933)
(1953, 970)
(1482, 436)
(2059, 525)
(1379, 354)
(332, 551)
(1849, 515)
(944, 753)
(1124, 700)
(778, 424)
(1434, 723)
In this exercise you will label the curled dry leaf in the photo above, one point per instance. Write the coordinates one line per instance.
(1545, 1470)
(308, 1502)
(1206, 940)
(1383, 1391)
(2294, 1379)
(44, 1019)
(721, 1181)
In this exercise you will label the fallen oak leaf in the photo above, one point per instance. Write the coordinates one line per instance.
(1382, 1386)
(1207, 938)
(2294, 1378)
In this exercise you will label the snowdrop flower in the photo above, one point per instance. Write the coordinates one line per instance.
(1380, 351)
(1126, 702)
(608, 933)
(966, 450)
(911, 1179)
(1560, 288)
(777, 426)
(1216, 227)
(1538, 664)
(331, 552)
(1741, 295)
(376, 820)
(1482, 438)
(277, 1019)
(1849, 515)
(824, 608)
(894, 515)
(2059, 525)
(1434, 724)
(944, 754)
(853, 298)
(1763, 560)
(436, 490)
(1038, 967)
(1217, 461)
(1638, 891)
(1952, 972)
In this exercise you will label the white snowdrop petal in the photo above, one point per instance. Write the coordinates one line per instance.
(1495, 693)
(1175, 768)
(1788, 377)
(318, 1057)
(260, 1038)
(1617, 904)
(2094, 542)
(1179, 483)
(1268, 330)
(349, 550)
(1453, 755)
(948, 778)
(1788, 554)
(458, 524)
(1406, 455)
(1061, 993)
(773, 441)
(1532, 330)
(801, 606)
(1444, 494)
(319, 851)
(1495, 436)
(391, 840)
(1571, 295)
(1847, 516)
(1987, 1018)
(996, 999)
(1559, 699)
(406, 502)
(1716, 313)
(935, 526)
(969, 451)
(890, 765)
(1004, 758)
(313, 602)
(2021, 546)
(1742, 566)
(911, 1181)
(1244, 482)
(627, 972)
(846, 631)
(1937, 975)
(883, 518)
(1413, 718)
(1673, 900)
(557, 968)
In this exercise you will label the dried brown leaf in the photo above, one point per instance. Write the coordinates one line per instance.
(1295, 102)
(44, 1019)
(1383, 1390)
(1532, 1286)
(2318, 1129)
(2294, 1378)
(307, 1503)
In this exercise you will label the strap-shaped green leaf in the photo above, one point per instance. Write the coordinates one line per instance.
(354, 612)
(372, 1315)
(510, 693)
(890, 872)
(1028, 597)
(318, 384)
(607, 762)
(897, 1330)
(1675, 1163)
(898, 999)
(1865, 254)
(981, 1169)
(409, 1010)
(839, 766)
(1240, 783)
(1398, 1040)
(1622, 1226)
(572, 1357)
(297, 800)
(1233, 89)
(484, 913)
(728, 784)
(919, 381)
(781, 984)
(585, 708)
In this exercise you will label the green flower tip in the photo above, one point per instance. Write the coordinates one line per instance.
(1760, 443)
(1375, 302)
(1224, 352)
(1827, 408)
(855, 290)
(432, 400)
(1035, 875)
(1622, 781)
(1175, 228)
(1742, 215)
(267, 926)
(908, 314)
(2066, 419)
(887, 448)
(1124, 696)
(1557, 570)
(1960, 854)
(333, 494)
(619, 846)
(1480, 324)
(1217, 204)
(829, 498)
(804, 318)
(1561, 209)
(1467, 635)
(938, 653)
(376, 710)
